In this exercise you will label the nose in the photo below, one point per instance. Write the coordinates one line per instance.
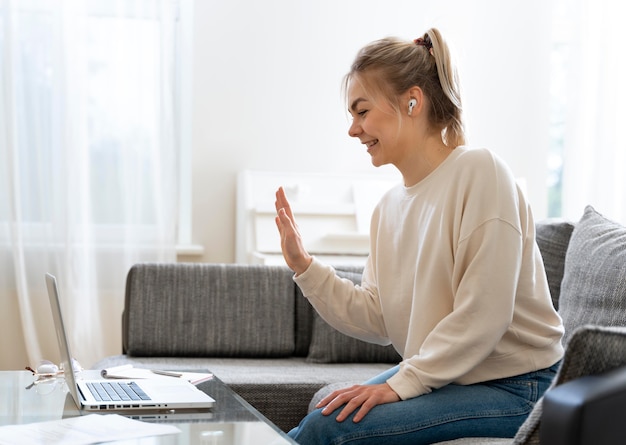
(355, 129)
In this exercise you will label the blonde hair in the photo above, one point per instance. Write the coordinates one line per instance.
(393, 66)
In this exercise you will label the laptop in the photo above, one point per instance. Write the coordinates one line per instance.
(106, 395)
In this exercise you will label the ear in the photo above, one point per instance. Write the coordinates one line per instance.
(415, 96)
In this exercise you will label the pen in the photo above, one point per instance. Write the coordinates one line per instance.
(167, 373)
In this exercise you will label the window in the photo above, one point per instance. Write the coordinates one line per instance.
(558, 100)
(94, 109)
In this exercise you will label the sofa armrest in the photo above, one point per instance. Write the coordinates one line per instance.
(592, 350)
(586, 411)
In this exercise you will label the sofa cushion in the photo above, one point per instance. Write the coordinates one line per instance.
(553, 238)
(210, 310)
(331, 346)
(304, 314)
(594, 281)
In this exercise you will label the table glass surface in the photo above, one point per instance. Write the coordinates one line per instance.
(231, 421)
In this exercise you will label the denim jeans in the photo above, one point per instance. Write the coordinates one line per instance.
(496, 408)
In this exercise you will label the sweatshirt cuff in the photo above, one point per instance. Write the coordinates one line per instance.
(406, 386)
(311, 278)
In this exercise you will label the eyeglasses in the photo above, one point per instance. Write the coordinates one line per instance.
(47, 370)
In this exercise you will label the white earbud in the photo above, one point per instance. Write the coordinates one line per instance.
(412, 104)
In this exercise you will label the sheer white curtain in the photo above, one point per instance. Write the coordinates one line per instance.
(594, 159)
(88, 165)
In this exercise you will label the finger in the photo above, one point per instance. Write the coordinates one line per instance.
(348, 405)
(281, 199)
(365, 408)
(279, 225)
(363, 402)
(349, 398)
(283, 203)
(286, 223)
(333, 395)
(349, 408)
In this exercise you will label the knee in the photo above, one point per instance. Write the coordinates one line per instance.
(315, 428)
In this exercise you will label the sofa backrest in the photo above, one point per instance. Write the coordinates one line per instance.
(209, 310)
(553, 239)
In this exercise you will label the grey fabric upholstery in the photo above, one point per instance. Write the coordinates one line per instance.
(553, 238)
(591, 350)
(252, 371)
(331, 346)
(585, 411)
(189, 310)
(304, 323)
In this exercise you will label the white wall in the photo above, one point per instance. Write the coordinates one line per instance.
(266, 93)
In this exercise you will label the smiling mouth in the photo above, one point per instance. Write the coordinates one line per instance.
(370, 144)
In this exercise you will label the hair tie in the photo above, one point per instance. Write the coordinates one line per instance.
(426, 43)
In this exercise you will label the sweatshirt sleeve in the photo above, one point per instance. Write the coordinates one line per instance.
(351, 309)
(485, 276)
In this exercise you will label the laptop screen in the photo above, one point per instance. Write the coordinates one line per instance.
(64, 347)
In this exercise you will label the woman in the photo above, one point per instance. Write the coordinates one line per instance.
(454, 279)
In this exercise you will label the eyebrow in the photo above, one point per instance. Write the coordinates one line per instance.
(356, 102)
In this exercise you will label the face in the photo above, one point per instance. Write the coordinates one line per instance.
(375, 123)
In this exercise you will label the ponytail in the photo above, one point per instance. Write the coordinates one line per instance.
(454, 132)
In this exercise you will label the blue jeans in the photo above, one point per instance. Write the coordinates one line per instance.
(496, 408)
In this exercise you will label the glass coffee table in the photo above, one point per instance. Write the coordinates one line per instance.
(232, 421)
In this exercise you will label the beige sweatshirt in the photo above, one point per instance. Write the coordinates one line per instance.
(454, 280)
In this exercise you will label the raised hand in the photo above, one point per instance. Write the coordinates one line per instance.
(297, 258)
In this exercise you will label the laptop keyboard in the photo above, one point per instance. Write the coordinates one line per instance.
(116, 391)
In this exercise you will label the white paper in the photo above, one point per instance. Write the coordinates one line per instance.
(115, 370)
(129, 372)
(82, 430)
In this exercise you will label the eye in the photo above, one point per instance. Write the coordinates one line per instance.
(362, 112)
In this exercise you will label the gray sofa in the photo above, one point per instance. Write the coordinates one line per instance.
(250, 325)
